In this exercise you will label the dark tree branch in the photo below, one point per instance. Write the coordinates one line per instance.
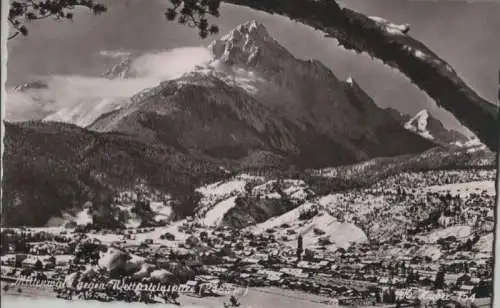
(25, 11)
(13, 35)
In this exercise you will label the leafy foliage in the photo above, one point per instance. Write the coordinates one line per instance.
(192, 13)
(24, 11)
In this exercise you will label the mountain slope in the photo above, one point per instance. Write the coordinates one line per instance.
(256, 96)
(53, 168)
(50, 167)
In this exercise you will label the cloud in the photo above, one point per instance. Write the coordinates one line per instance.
(171, 64)
(81, 99)
(114, 54)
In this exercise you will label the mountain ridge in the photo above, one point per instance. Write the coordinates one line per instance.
(254, 80)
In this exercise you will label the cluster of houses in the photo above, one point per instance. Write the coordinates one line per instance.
(399, 256)
(246, 259)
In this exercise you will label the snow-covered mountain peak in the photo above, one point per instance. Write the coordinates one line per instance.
(420, 120)
(248, 44)
(429, 127)
(251, 59)
(418, 124)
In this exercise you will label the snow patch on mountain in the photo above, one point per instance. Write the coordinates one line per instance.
(215, 193)
(215, 215)
(460, 232)
(220, 190)
(84, 217)
(234, 75)
(472, 145)
(289, 226)
(418, 124)
(485, 243)
(162, 211)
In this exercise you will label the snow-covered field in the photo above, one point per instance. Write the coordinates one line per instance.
(214, 216)
(464, 189)
(216, 192)
(485, 244)
(24, 302)
(254, 298)
(460, 232)
(320, 226)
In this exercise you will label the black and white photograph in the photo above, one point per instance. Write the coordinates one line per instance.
(249, 153)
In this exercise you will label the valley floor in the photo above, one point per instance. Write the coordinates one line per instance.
(256, 298)
(359, 246)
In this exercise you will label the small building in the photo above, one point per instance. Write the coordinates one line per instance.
(32, 263)
(467, 289)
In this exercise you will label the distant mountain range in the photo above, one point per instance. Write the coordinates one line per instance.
(254, 106)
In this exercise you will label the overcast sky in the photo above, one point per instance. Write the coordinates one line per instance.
(463, 34)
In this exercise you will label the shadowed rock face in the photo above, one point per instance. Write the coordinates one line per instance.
(426, 70)
(51, 167)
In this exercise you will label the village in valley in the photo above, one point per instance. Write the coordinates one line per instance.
(412, 238)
